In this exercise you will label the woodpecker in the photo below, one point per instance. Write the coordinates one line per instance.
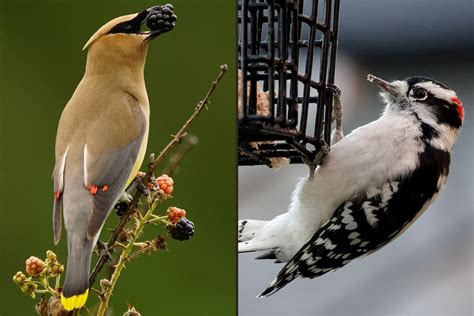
(373, 184)
(102, 137)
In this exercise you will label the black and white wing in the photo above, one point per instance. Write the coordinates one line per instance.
(364, 224)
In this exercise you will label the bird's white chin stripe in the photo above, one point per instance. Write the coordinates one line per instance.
(436, 90)
(424, 114)
(446, 134)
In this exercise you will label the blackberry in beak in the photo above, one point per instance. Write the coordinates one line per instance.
(161, 19)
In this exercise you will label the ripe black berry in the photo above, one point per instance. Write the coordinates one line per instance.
(121, 208)
(169, 6)
(162, 18)
(183, 230)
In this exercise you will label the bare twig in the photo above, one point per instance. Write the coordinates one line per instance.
(136, 198)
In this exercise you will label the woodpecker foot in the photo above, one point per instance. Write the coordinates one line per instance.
(334, 89)
(319, 158)
(103, 250)
(337, 134)
(322, 154)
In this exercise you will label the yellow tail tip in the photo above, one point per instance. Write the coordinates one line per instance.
(73, 302)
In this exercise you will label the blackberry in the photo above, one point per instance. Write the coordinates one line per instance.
(162, 18)
(168, 6)
(121, 208)
(183, 230)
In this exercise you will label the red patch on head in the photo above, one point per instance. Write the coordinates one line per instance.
(57, 195)
(459, 107)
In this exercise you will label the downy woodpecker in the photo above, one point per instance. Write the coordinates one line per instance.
(372, 186)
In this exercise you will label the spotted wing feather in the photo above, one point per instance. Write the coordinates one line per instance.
(368, 222)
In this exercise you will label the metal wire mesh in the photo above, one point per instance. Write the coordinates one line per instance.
(283, 45)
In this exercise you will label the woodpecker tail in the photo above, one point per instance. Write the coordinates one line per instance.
(249, 228)
(254, 235)
(76, 285)
(286, 275)
(275, 286)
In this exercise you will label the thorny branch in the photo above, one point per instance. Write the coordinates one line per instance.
(153, 164)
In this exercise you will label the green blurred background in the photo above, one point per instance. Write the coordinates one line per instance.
(41, 63)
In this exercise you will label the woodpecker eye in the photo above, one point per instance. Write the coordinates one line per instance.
(419, 93)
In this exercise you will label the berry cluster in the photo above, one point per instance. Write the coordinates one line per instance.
(175, 214)
(162, 18)
(25, 284)
(165, 183)
(34, 265)
(38, 269)
(183, 230)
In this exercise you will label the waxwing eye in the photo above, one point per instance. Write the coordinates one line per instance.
(419, 94)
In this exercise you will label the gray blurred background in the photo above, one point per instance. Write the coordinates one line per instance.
(429, 269)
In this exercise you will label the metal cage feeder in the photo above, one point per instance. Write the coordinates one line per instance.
(278, 51)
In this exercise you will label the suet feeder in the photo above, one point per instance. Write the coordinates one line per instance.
(283, 46)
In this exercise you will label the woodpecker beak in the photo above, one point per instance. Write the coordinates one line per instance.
(386, 86)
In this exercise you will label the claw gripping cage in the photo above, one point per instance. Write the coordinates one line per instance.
(283, 45)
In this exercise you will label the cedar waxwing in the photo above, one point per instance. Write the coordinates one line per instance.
(102, 138)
